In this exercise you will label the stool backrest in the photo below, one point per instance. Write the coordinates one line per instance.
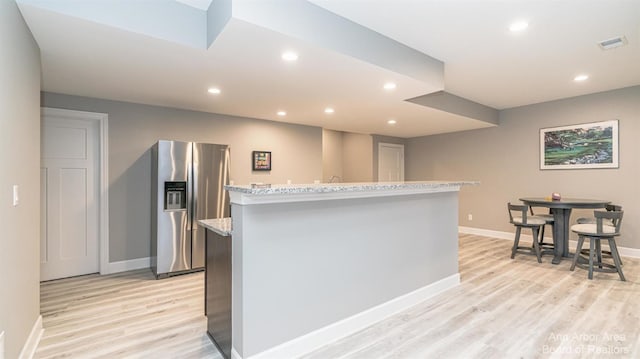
(533, 214)
(613, 207)
(522, 209)
(614, 216)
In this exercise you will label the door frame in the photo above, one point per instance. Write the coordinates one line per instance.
(386, 144)
(103, 177)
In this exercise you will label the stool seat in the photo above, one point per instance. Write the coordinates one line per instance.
(547, 218)
(531, 221)
(590, 229)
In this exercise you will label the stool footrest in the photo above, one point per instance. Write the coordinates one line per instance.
(585, 253)
(599, 267)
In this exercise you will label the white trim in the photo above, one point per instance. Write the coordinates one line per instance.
(235, 354)
(103, 122)
(311, 341)
(488, 233)
(30, 346)
(624, 251)
(104, 191)
(628, 252)
(131, 264)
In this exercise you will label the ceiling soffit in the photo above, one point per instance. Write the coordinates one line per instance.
(186, 25)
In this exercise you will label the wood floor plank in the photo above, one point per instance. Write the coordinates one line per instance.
(507, 308)
(125, 315)
(503, 308)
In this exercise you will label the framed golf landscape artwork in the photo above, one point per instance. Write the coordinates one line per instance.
(589, 145)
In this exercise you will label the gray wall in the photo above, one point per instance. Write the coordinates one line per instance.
(133, 128)
(332, 155)
(348, 155)
(357, 157)
(506, 160)
(20, 163)
(352, 156)
(300, 266)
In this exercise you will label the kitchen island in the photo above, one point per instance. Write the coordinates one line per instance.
(314, 263)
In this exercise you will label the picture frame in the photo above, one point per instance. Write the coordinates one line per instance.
(261, 160)
(588, 145)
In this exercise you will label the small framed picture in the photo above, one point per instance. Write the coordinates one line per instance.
(261, 160)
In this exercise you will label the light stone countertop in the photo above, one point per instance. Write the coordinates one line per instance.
(345, 187)
(222, 226)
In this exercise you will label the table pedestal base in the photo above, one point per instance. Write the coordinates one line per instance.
(560, 233)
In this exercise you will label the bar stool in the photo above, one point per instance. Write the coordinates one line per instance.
(548, 221)
(609, 208)
(596, 232)
(518, 217)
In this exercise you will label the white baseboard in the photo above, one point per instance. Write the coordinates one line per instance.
(30, 346)
(323, 336)
(131, 264)
(234, 354)
(629, 252)
(490, 233)
(624, 251)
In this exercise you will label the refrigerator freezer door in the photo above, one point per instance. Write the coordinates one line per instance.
(211, 200)
(172, 252)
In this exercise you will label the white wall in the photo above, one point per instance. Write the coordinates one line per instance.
(20, 163)
(134, 128)
(505, 159)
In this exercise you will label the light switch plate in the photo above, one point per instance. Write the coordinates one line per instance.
(2, 345)
(16, 198)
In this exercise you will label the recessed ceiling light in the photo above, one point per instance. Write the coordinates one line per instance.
(392, 122)
(329, 110)
(389, 86)
(518, 26)
(282, 113)
(580, 78)
(289, 56)
(214, 90)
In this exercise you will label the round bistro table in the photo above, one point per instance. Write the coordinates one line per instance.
(561, 210)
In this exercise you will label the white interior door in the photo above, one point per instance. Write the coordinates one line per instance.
(69, 197)
(390, 162)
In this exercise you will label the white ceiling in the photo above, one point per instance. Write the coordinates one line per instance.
(483, 62)
(486, 63)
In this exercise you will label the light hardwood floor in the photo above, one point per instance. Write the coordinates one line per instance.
(503, 309)
(125, 315)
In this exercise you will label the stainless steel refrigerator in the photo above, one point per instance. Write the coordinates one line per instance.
(187, 184)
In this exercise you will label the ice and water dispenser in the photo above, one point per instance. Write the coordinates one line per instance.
(175, 196)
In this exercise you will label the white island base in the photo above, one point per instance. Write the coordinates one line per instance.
(314, 263)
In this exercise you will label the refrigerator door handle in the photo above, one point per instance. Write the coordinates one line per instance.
(190, 208)
(223, 196)
(194, 189)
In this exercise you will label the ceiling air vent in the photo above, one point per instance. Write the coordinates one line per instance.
(612, 43)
